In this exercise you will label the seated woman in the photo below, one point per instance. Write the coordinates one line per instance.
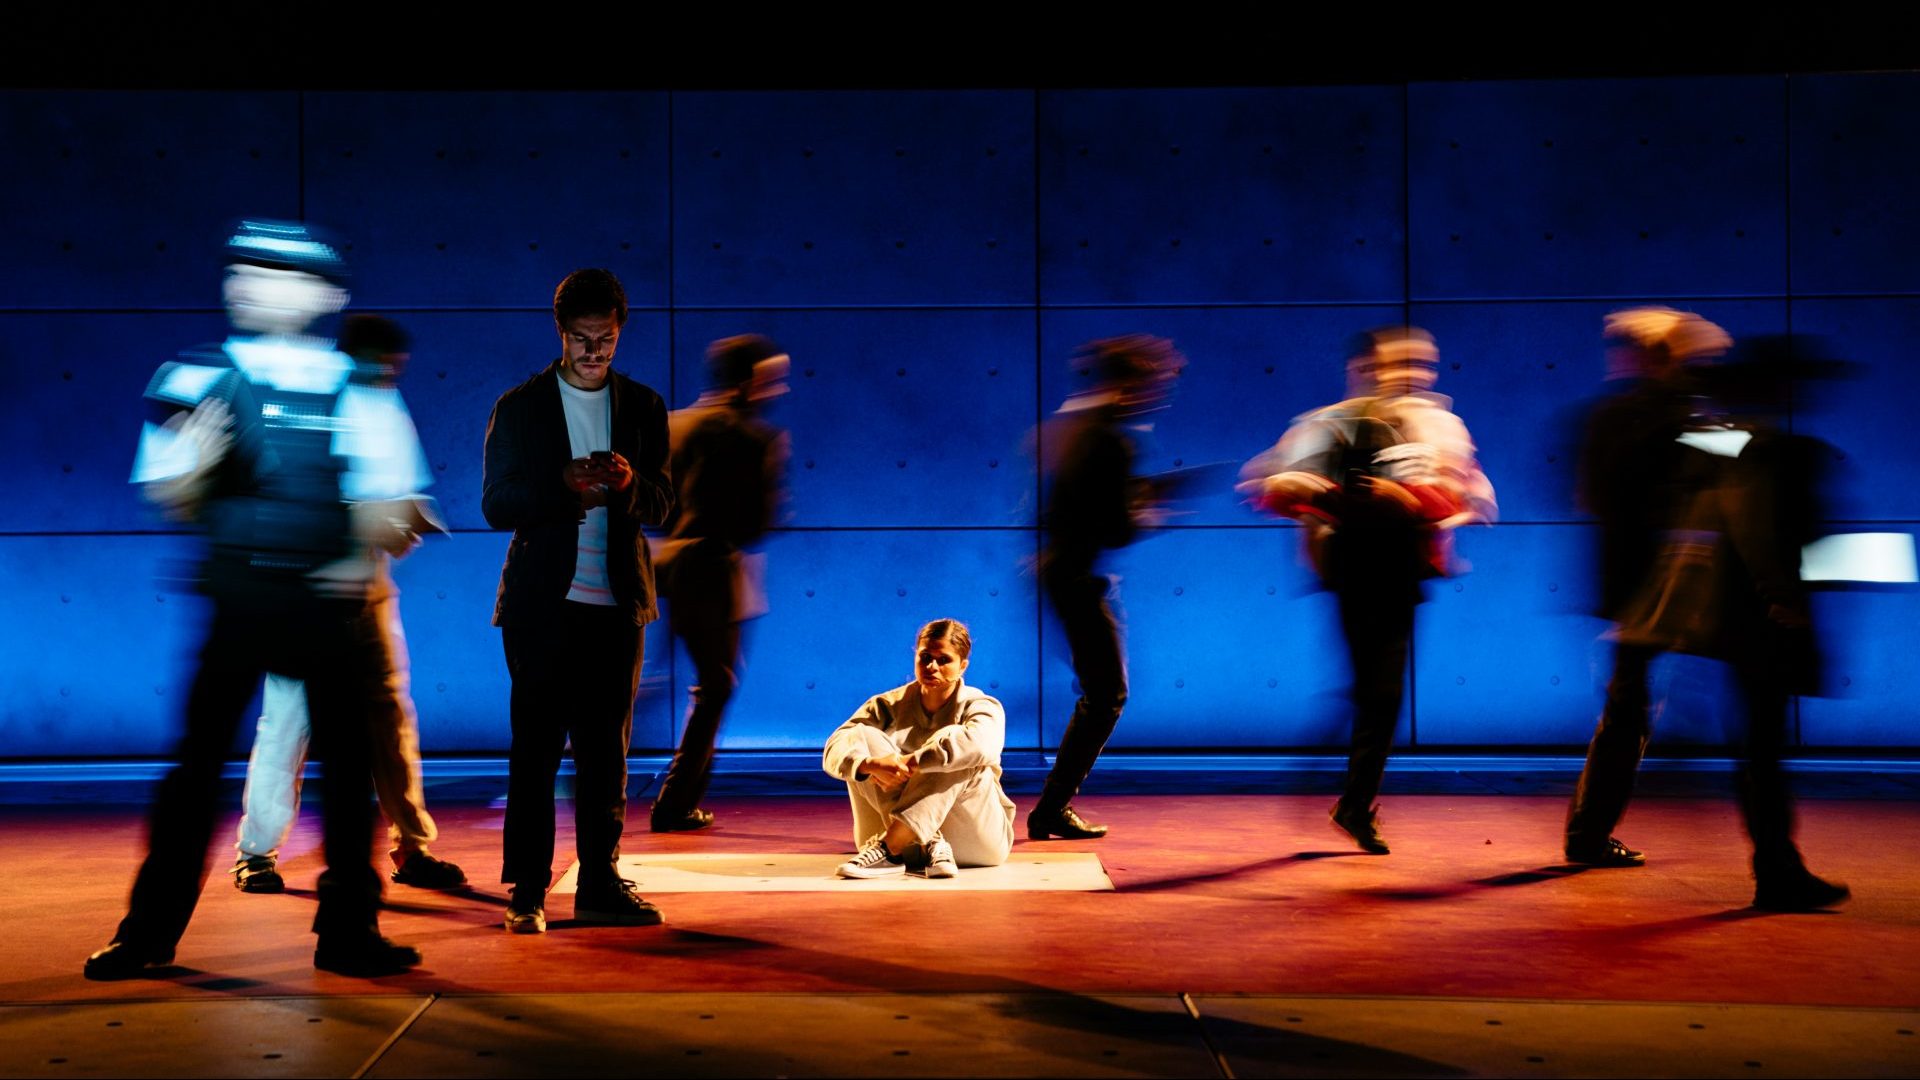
(922, 766)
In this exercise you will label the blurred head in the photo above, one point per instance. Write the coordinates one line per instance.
(377, 344)
(940, 654)
(747, 364)
(1389, 361)
(1656, 342)
(589, 308)
(281, 277)
(1137, 369)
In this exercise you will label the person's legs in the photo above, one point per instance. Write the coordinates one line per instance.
(1613, 757)
(271, 799)
(1377, 625)
(610, 649)
(701, 615)
(346, 687)
(538, 705)
(979, 825)
(180, 824)
(1093, 635)
(396, 746)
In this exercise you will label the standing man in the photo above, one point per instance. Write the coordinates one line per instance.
(1632, 481)
(576, 464)
(726, 464)
(1379, 480)
(1093, 503)
(264, 443)
(378, 349)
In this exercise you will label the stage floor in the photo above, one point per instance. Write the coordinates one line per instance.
(1245, 937)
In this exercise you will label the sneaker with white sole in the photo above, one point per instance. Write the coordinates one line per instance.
(940, 862)
(873, 861)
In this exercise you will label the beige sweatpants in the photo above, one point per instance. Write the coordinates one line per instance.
(966, 807)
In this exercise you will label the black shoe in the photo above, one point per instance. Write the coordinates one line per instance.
(364, 956)
(687, 822)
(1611, 853)
(257, 873)
(1801, 892)
(614, 905)
(1364, 827)
(1065, 823)
(424, 871)
(125, 960)
(524, 913)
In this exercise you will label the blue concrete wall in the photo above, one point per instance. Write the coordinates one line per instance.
(931, 258)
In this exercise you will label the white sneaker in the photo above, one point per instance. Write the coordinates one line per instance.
(872, 862)
(940, 862)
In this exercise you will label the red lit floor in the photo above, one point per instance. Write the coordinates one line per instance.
(1217, 893)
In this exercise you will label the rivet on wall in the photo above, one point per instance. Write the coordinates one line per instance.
(1271, 590)
(440, 594)
(809, 593)
(1272, 683)
(254, 154)
(66, 468)
(1083, 242)
(66, 245)
(440, 246)
(807, 244)
(440, 155)
(716, 245)
(440, 687)
(715, 152)
(1457, 587)
(1455, 237)
(1740, 233)
(899, 151)
(1175, 242)
(992, 243)
(163, 153)
(343, 153)
(901, 464)
(993, 592)
(67, 375)
(533, 245)
(160, 245)
(1174, 150)
(899, 244)
(1547, 236)
(1179, 590)
(900, 592)
(1179, 684)
(1460, 680)
(626, 245)
(991, 152)
(805, 152)
(809, 684)
(993, 463)
(1266, 149)
(1083, 151)
(1555, 680)
(1267, 241)
(625, 154)
(535, 154)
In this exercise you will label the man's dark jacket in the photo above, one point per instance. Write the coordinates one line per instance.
(527, 451)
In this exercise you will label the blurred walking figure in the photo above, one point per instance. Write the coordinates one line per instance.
(378, 348)
(1631, 479)
(1094, 502)
(292, 470)
(1726, 582)
(727, 463)
(1379, 481)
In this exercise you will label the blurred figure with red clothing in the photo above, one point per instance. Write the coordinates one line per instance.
(1379, 481)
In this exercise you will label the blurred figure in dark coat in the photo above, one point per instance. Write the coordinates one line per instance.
(1094, 502)
(1631, 479)
(727, 463)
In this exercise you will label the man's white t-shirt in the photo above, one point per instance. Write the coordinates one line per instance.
(590, 428)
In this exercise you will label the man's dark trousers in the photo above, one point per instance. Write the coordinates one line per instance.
(575, 671)
(1080, 600)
